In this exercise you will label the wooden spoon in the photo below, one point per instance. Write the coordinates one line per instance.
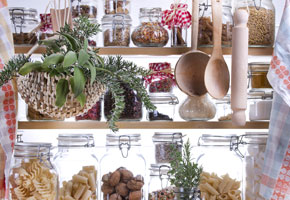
(217, 76)
(189, 70)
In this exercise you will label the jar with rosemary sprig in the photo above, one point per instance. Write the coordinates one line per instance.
(184, 174)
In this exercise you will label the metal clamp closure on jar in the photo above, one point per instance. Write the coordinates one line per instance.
(117, 21)
(261, 95)
(164, 99)
(20, 18)
(153, 14)
(205, 6)
(164, 176)
(253, 139)
(76, 140)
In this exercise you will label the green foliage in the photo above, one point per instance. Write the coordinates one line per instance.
(184, 172)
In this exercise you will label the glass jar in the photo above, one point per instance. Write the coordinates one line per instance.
(165, 107)
(197, 108)
(46, 28)
(257, 74)
(205, 36)
(85, 8)
(24, 24)
(116, 30)
(150, 33)
(159, 185)
(178, 36)
(163, 144)
(254, 145)
(260, 105)
(93, 114)
(219, 154)
(224, 111)
(32, 174)
(133, 104)
(123, 168)
(261, 21)
(117, 7)
(77, 166)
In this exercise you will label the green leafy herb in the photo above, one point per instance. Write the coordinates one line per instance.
(79, 81)
(69, 59)
(29, 67)
(61, 92)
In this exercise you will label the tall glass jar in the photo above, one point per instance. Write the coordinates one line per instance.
(261, 21)
(24, 24)
(116, 30)
(32, 175)
(77, 166)
(205, 36)
(123, 168)
(221, 159)
(254, 145)
(85, 8)
(117, 7)
(150, 33)
(159, 185)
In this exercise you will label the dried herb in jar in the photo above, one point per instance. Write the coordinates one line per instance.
(85, 11)
(117, 37)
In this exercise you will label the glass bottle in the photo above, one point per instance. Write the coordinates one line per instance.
(85, 8)
(261, 21)
(123, 168)
(32, 175)
(77, 166)
(150, 33)
(117, 7)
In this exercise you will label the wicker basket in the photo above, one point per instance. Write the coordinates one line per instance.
(38, 90)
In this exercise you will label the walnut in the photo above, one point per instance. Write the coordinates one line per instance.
(115, 178)
(107, 189)
(115, 197)
(122, 189)
(126, 175)
(135, 184)
(106, 177)
(135, 195)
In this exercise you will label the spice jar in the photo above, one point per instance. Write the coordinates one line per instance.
(133, 104)
(224, 111)
(163, 144)
(46, 28)
(116, 30)
(254, 147)
(123, 168)
(77, 166)
(93, 114)
(32, 175)
(85, 8)
(159, 185)
(258, 75)
(260, 105)
(205, 36)
(261, 21)
(198, 108)
(150, 33)
(24, 25)
(165, 107)
(117, 7)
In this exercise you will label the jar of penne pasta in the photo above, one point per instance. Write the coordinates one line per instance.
(222, 164)
(32, 175)
(77, 167)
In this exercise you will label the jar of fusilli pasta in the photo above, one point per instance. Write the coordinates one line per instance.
(77, 166)
(32, 175)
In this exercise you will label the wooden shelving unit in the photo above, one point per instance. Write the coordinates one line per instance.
(139, 125)
(153, 51)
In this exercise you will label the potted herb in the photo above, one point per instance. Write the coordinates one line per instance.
(71, 76)
(184, 173)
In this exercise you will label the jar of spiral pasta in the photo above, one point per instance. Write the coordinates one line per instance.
(32, 175)
(77, 166)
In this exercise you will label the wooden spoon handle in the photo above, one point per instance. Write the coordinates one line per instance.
(217, 25)
(195, 24)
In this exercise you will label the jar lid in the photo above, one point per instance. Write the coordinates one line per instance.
(76, 140)
(263, 95)
(117, 140)
(119, 19)
(217, 140)
(254, 138)
(259, 66)
(33, 150)
(153, 12)
(21, 12)
(173, 137)
(163, 99)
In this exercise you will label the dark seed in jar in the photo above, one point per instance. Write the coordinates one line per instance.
(24, 38)
(163, 152)
(155, 116)
(85, 11)
(93, 114)
(117, 37)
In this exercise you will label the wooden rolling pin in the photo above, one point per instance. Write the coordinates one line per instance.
(239, 67)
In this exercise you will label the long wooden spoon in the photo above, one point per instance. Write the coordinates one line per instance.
(217, 76)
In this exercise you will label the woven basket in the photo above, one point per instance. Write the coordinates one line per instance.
(38, 90)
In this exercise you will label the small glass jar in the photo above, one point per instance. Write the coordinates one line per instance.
(150, 33)
(205, 36)
(261, 21)
(77, 166)
(123, 168)
(260, 105)
(133, 105)
(32, 175)
(163, 144)
(197, 108)
(257, 74)
(93, 114)
(116, 30)
(178, 36)
(224, 111)
(85, 8)
(159, 185)
(117, 7)
(254, 145)
(24, 21)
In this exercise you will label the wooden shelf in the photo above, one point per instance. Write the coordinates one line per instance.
(153, 51)
(139, 125)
